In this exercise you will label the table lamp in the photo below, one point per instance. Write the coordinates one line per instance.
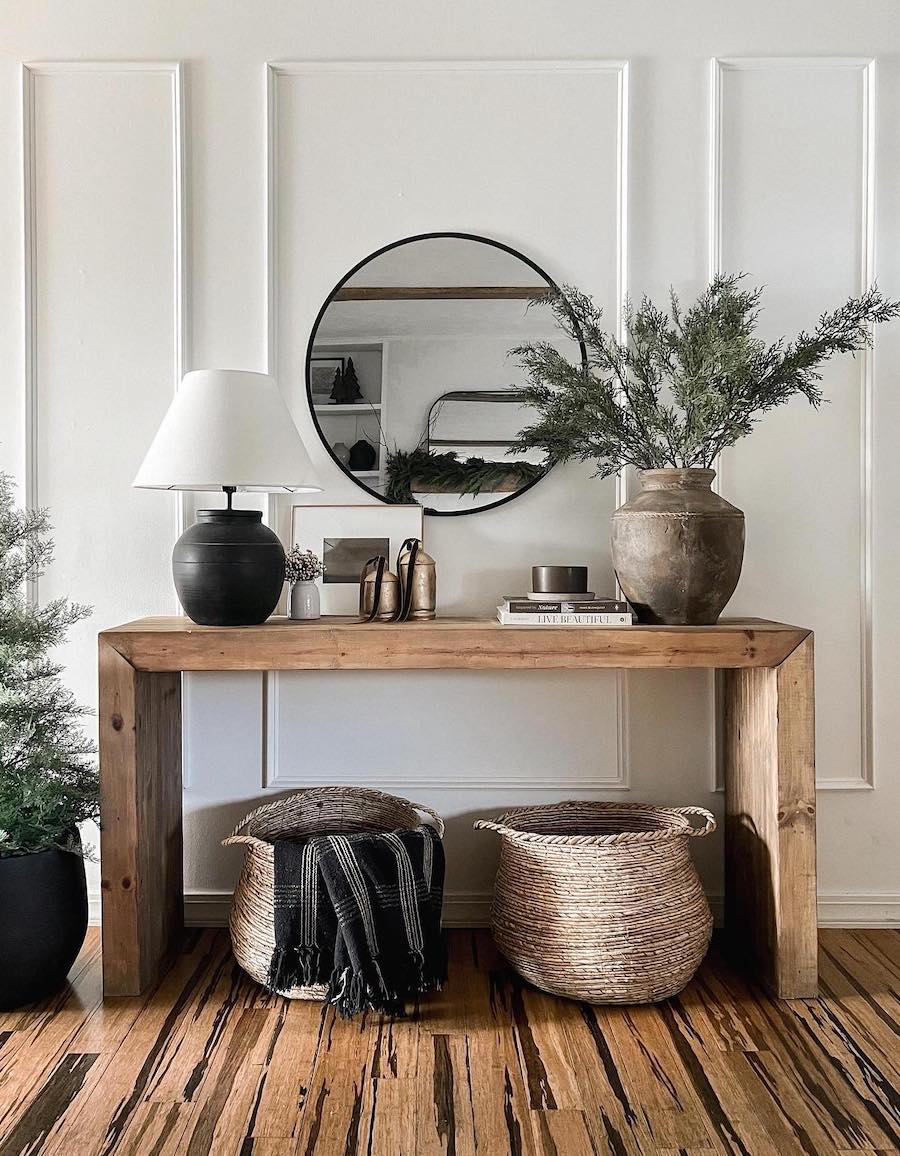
(228, 429)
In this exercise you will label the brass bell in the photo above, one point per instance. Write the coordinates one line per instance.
(418, 581)
(379, 592)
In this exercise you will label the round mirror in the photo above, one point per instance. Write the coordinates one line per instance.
(409, 376)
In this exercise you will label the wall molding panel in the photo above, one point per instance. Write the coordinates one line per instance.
(276, 71)
(276, 779)
(276, 75)
(30, 72)
(719, 69)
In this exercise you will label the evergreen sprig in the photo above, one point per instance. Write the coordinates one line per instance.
(419, 469)
(48, 779)
(685, 385)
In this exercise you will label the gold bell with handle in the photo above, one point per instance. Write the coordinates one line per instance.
(379, 592)
(418, 581)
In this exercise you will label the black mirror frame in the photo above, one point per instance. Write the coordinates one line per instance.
(312, 337)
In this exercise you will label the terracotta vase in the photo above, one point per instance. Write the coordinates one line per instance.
(677, 548)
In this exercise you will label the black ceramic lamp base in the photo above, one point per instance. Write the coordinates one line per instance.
(228, 568)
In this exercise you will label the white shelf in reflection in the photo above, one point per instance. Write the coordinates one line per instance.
(360, 407)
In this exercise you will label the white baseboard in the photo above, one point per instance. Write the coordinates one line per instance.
(473, 909)
(878, 910)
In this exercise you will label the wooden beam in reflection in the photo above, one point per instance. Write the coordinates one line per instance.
(443, 293)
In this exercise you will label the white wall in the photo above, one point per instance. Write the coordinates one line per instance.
(607, 184)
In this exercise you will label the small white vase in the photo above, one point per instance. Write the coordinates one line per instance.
(305, 601)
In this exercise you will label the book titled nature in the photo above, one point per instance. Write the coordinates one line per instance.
(518, 604)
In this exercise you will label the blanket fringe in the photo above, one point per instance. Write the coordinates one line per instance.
(367, 988)
(302, 966)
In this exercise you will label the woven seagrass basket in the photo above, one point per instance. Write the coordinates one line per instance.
(314, 811)
(601, 901)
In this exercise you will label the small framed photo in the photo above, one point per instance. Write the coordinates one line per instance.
(345, 538)
(322, 371)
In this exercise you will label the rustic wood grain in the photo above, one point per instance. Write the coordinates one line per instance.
(334, 643)
(770, 831)
(141, 831)
(769, 755)
(206, 1063)
(43, 1034)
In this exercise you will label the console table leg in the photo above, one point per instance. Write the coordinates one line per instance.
(770, 827)
(140, 837)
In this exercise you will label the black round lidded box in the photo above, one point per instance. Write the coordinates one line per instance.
(559, 579)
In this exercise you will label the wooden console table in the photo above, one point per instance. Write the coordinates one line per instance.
(769, 762)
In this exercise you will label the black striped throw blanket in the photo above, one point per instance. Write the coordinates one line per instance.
(360, 913)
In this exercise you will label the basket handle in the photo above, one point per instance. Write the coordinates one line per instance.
(698, 832)
(432, 814)
(248, 840)
(490, 825)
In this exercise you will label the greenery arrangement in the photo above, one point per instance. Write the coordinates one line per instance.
(419, 469)
(685, 385)
(48, 779)
(302, 566)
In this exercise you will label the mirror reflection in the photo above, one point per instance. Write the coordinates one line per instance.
(409, 376)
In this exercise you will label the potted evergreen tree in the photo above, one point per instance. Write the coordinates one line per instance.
(686, 385)
(48, 779)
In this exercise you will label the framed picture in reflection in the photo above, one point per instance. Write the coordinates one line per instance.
(323, 372)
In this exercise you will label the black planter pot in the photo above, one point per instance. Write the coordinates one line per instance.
(43, 901)
(228, 568)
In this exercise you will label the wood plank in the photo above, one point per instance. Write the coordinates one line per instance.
(156, 1128)
(205, 1063)
(654, 1083)
(819, 1085)
(334, 643)
(500, 1107)
(567, 1131)
(770, 831)
(46, 1035)
(140, 832)
(864, 1004)
(336, 1113)
(880, 946)
(723, 1090)
(392, 1124)
(719, 1020)
(287, 1071)
(445, 1120)
(228, 1096)
(48, 1107)
(133, 1055)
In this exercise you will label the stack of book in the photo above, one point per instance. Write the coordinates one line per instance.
(522, 610)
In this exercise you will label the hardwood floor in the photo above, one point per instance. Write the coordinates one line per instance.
(209, 1063)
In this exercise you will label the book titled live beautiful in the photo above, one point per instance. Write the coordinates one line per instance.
(508, 618)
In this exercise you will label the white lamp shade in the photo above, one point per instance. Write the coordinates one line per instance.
(228, 427)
